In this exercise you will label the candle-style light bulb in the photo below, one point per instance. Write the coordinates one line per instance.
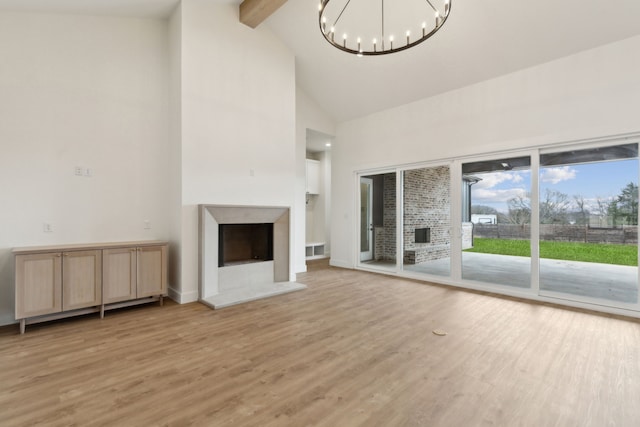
(344, 40)
(424, 29)
(391, 41)
(446, 7)
(359, 50)
(408, 34)
(333, 33)
(375, 41)
(438, 19)
(324, 24)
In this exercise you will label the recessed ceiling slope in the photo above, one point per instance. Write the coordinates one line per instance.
(483, 39)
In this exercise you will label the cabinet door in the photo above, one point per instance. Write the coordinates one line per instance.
(119, 274)
(81, 279)
(313, 176)
(152, 271)
(38, 284)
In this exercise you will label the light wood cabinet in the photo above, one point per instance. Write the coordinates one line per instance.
(119, 274)
(136, 272)
(59, 281)
(81, 279)
(38, 284)
(152, 277)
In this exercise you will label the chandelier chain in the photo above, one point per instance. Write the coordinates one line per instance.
(432, 6)
(341, 12)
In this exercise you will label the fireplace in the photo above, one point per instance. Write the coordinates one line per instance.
(244, 254)
(244, 243)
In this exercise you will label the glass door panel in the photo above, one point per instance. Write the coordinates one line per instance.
(496, 221)
(589, 223)
(378, 220)
(427, 220)
(366, 220)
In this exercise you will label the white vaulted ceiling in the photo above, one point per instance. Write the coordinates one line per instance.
(481, 40)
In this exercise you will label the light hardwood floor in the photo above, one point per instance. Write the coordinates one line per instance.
(354, 349)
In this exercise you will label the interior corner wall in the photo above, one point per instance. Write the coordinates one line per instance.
(174, 196)
(309, 115)
(238, 122)
(88, 92)
(590, 94)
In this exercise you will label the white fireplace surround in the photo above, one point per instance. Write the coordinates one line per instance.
(224, 286)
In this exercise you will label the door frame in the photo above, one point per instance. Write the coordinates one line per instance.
(369, 254)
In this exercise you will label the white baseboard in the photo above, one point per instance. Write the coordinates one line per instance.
(182, 297)
(340, 263)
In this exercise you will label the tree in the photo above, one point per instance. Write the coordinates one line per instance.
(519, 209)
(602, 210)
(582, 213)
(554, 207)
(624, 208)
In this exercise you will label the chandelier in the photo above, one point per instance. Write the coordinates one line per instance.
(360, 28)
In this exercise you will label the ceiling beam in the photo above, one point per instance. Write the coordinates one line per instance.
(254, 12)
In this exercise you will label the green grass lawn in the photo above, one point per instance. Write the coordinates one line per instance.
(571, 251)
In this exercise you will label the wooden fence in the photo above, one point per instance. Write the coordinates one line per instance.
(627, 234)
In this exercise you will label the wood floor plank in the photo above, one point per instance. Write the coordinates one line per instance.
(354, 349)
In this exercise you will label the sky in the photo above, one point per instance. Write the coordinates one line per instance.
(603, 180)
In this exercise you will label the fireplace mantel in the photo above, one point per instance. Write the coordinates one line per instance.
(223, 286)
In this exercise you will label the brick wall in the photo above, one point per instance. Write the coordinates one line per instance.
(427, 204)
(388, 234)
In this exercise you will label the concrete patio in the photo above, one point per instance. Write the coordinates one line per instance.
(610, 282)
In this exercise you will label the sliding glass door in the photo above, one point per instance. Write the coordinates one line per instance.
(589, 223)
(426, 220)
(496, 221)
(559, 224)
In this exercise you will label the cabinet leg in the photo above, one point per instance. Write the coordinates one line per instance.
(23, 324)
(102, 311)
(161, 300)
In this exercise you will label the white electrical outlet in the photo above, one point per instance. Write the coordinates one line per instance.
(78, 171)
(147, 224)
(88, 172)
(47, 227)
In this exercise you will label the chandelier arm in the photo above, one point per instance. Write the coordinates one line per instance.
(343, 9)
(432, 7)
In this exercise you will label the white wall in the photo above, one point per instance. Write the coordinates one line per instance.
(238, 122)
(309, 115)
(591, 94)
(80, 91)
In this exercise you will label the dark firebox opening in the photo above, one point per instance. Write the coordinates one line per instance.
(423, 235)
(244, 243)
